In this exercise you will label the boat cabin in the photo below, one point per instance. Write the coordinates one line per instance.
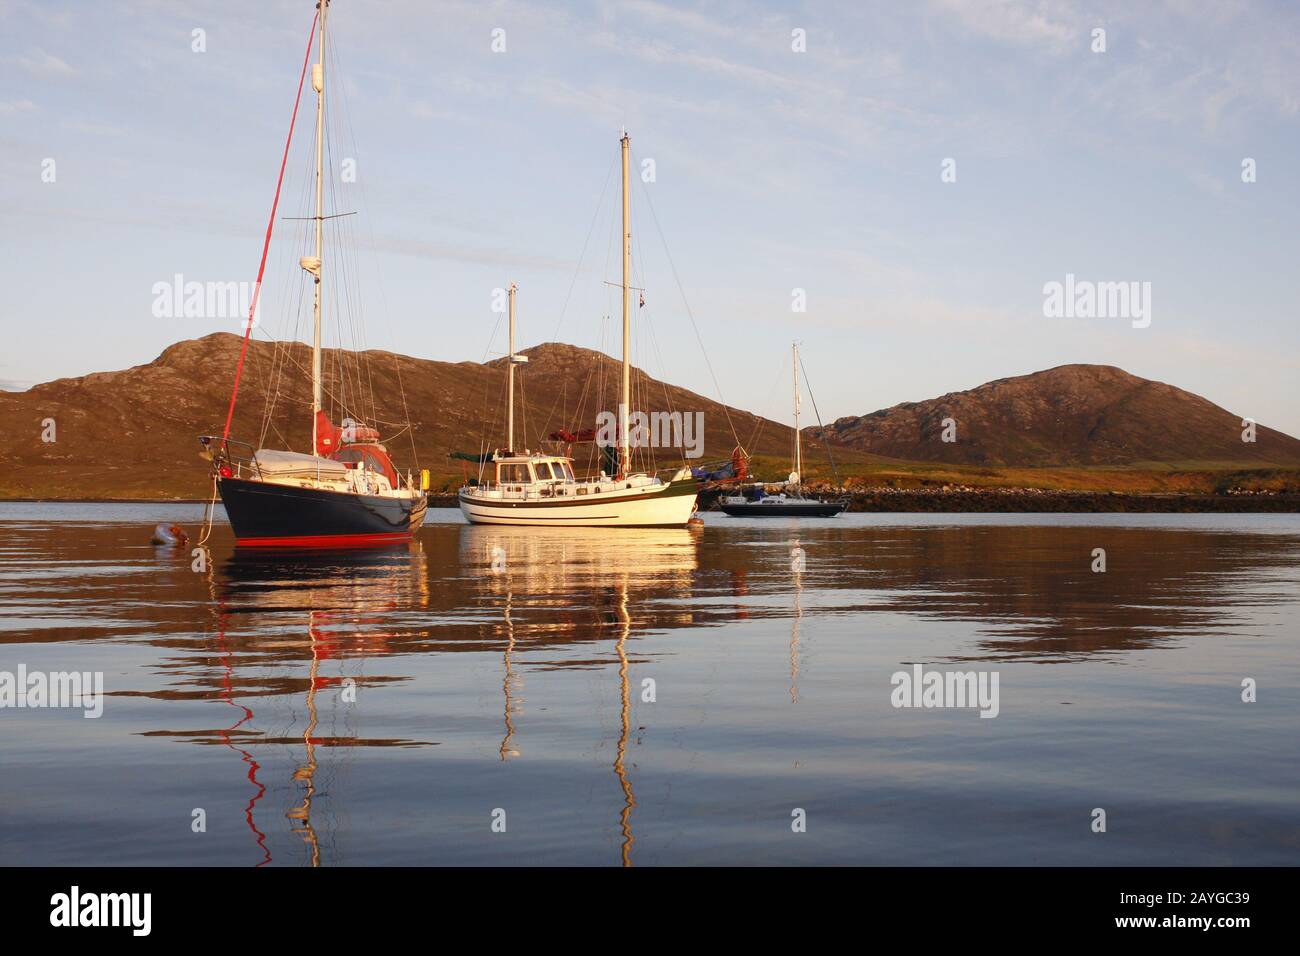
(511, 475)
(372, 456)
(517, 472)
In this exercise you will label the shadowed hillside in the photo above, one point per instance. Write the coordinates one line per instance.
(133, 433)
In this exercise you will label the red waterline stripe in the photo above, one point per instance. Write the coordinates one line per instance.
(266, 244)
(327, 540)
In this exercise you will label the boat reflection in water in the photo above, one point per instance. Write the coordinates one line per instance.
(599, 575)
(359, 587)
(376, 707)
(295, 637)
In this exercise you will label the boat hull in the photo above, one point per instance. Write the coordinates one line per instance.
(669, 505)
(270, 515)
(807, 509)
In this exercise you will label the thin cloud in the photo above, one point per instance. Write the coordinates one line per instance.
(1039, 23)
(14, 107)
(94, 129)
(40, 63)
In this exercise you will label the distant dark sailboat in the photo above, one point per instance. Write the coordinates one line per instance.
(757, 504)
(346, 492)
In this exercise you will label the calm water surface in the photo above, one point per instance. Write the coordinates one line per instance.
(378, 708)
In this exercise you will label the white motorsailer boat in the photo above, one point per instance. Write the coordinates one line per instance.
(796, 505)
(540, 489)
(533, 488)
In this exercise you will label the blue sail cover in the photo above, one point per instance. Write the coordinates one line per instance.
(726, 471)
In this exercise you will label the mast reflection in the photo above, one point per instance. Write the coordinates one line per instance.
(564, 578)
(625, 724)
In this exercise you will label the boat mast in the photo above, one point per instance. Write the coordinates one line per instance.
(510, 377)
(318, 84)
(798, 450)
(625, 448)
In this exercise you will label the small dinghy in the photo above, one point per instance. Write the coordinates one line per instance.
(169, 535)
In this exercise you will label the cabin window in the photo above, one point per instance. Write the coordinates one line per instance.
(357, 456)
(513, 473)
(543, 471)
(568, 470)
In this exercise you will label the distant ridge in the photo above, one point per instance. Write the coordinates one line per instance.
(1071, 415)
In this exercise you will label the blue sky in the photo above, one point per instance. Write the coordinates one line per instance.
(775, 170)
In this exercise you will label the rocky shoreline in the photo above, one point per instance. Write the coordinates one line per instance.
(954, 501)
(1034, 500)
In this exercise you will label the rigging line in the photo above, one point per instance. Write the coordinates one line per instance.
(668, 401)
(208, 513)
(252, 362)
(362, 366)
(360, 182)
(304, 246)
(272, 392)
(330, 393)
(583, 255)
(759, 421)
(267, 374)
(492, 425)
(523, 408)
(576, 417)
(560, 404)
(266, 243)
(337, 215)
(601, 396)
(545, 423)
(340, 301)
(278, 362)
(501, 404)
(550, 416)
(645, 404)
(487, 382)
(347, 363)
(607, 381)
(639, 398)
(614, 213)
(595, 373)
(397, 434)
(648, 326)
(690, 314)
(289, 306)
(596, 216)
(825, 440)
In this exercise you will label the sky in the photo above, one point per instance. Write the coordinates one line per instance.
(920, 171)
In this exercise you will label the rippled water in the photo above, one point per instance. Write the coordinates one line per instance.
(505, 670)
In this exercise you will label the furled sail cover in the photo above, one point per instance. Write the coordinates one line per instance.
(291, 464)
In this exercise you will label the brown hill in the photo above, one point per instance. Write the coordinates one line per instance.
(1072, 415)
(133, 433)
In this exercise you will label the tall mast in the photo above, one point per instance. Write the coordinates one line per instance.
(625, 448)
(510, 398)
(798, 450)
(318, 84)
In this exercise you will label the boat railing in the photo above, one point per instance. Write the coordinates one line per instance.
(554, 488)
(230, 452)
